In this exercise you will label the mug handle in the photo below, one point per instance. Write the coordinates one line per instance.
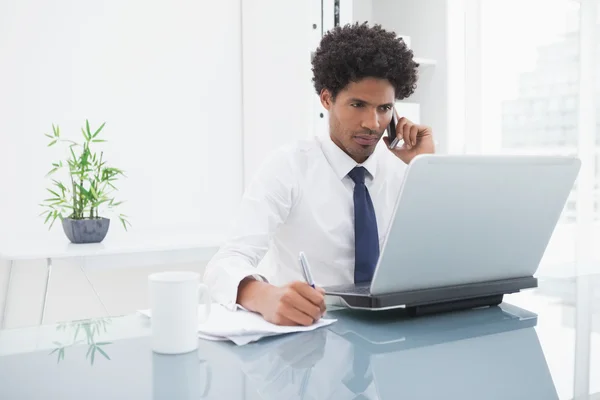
(204, 298)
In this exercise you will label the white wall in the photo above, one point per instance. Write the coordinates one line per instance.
(362, 11)
(166, 76)
(169, 79)
(277, 87)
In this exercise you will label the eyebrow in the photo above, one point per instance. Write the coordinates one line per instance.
(356, 100)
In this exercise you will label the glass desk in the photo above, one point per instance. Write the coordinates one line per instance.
(541, 344)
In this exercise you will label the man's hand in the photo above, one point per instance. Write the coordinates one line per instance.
(418, 139)
(294, 304)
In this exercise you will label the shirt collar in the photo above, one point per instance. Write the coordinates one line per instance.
(342, 163)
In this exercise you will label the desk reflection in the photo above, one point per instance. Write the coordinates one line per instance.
(181, 377)
(490, 353)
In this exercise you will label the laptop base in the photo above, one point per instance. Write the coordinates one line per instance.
(436, 300)
(466, 304)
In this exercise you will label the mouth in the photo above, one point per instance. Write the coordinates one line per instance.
(369, 140)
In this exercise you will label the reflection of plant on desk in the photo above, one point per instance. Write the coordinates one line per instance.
(89, 327)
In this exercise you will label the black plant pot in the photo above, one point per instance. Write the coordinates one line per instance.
(92, 230)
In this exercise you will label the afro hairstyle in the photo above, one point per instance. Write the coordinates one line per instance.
(357, 51)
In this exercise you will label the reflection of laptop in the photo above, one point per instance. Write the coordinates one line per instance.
(491, 353)
(466, 230)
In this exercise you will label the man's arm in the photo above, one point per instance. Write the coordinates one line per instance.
(232, 274)
(264, 207)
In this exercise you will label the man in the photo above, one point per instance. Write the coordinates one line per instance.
(330, 198)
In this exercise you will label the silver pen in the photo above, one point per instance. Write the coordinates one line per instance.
(306, 269)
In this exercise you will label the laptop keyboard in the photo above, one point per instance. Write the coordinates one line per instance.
(353, 289)
(362, 289)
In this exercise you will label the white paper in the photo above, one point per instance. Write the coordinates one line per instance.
(243, 327)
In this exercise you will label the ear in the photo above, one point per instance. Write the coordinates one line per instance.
(326, 99)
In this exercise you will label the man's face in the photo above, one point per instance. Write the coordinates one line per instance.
(359, 115)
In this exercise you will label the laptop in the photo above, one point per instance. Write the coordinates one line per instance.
(466, 230)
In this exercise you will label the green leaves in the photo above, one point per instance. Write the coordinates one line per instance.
(56, 167)
(92, 349)
(87, 134)
(91, 328)
(124, 220)
(91, 182)
(98, 130)
(102, 351)
(60, 350)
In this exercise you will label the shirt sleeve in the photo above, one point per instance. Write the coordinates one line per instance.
(264, 207)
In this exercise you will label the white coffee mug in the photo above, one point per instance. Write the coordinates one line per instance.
(178, 303)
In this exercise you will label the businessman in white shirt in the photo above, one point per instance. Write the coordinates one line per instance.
(330, 198)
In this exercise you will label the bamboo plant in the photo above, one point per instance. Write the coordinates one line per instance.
(90, 182)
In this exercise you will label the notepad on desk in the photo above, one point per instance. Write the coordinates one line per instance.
(243, 327)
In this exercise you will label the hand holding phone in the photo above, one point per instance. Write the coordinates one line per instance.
(391, 130)
(410, 140)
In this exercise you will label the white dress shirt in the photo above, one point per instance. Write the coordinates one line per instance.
(301, 199)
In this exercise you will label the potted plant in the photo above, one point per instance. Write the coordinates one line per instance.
(88, 185)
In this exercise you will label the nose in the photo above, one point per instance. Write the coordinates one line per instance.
(371, 121)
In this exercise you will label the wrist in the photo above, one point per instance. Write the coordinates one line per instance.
(250, 294)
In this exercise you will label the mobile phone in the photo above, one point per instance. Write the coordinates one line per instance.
(391, 130)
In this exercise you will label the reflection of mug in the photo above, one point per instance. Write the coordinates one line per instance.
(182, 376)
(174, 309)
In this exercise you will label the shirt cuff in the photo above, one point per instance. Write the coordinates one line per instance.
(232, 304)
(257, 277)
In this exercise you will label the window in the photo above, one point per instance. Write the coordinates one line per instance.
(570, 103)
(530, 102)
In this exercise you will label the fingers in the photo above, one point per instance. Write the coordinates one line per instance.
(283, 321)
(301, 304)
(414, 131)
(313, 295)
(296, 304)
(402, 122)
(322, 305)
(298, 317)
(408, 132)
(403, 131)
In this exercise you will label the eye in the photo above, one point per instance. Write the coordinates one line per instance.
(386, 108)
(357, 105)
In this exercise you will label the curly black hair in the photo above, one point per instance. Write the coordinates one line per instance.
(356, 51)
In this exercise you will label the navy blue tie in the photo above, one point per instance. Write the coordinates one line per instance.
(366, 239)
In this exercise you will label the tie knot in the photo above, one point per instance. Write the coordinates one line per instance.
(358, 175)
